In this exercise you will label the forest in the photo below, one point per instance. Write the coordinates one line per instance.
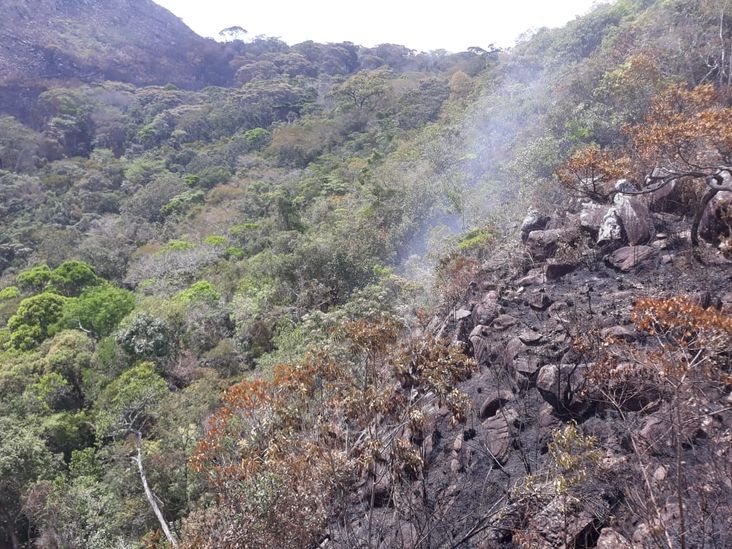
(260, 295)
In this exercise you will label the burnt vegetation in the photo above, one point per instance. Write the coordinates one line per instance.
(255, 294)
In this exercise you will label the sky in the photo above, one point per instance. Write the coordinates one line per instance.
(421, 25)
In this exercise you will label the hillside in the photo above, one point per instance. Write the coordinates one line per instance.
(321, 295)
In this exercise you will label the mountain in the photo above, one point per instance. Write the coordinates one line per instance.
(134, 41)
(306, 307)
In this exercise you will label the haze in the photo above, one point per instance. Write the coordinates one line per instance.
(453, 26)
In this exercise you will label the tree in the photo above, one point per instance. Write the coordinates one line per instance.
(683, 138)
(24, 459)
(145, 337)
(364, 88)
(34, 320)
(98, 310)
(72, 277)
(128, 406)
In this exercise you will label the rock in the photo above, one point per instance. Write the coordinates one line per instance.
(646, 534)
(560, 386)
(611, 229)
(618, 333)
(653, 435)
(659, 475)
(503, 322)
(458, 443)
(591, 217)
(611, 539)
(714, 225)
(635, 218)
(513, 348)
(534, 276)
(530, 337)
(455, 465)
(539, 301)
(544, 244)
(555, 271)
(527, 366)
(559, 530)
(494, 401)
(533, 221)
(486, 309)
(462, 313)
(479, 339)
(630, 257)
(498, 434)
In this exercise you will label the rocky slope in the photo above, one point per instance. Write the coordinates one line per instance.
(589, 427)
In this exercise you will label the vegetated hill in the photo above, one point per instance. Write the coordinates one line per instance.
(135, 41)
(225, 285)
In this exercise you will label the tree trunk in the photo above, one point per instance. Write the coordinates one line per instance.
(151, 497)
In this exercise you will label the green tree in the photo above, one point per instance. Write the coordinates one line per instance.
(24, 459)
(72, 277)
(98, 309)
(34, 320)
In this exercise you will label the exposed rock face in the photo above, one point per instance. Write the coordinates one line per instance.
(133, 41)
(635, 218)
(716, 222)
(611, 539)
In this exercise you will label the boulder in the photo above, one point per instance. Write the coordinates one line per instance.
(498, 434)
(533, 221)
(611, 539)
(714, 224)
(503, 322)
(544, 244)
(480, 340)
(560, 530)
(487, 309)
(494, 401)
(539, 301)
(561, 386)
(611, 229)
(635, 218)
(630, 257)
(556, 270)
(591, 216)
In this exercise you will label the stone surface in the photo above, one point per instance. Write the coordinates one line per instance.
(591, 216)
(555, 271)
(560, 386)
(503, 322)
(610, 229)
(611, 539)
(630, 257)
(539, 301)
(533, 221)
(635, 218)
(480, 340)
(498, 434)
(486, 309)
(494, 401)
(544, 244)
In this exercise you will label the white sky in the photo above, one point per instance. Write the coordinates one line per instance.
(423, 25)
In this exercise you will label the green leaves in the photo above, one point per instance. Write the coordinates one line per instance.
(34, 319)
(98, 310)
(128, 403)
